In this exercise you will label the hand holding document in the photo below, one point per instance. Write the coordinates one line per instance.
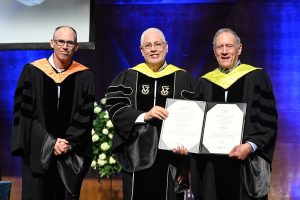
(223, 128)
(202, 127)
(183, 126)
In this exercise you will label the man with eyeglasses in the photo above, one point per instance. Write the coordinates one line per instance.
(135, 102)
(53, 114)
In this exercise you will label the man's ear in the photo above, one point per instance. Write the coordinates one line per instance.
(52, 43)
(77, 47)
(142, 51)
(167, 47)
(240, 49)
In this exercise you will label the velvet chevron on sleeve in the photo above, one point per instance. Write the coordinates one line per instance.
(261, 120)
(22, 115)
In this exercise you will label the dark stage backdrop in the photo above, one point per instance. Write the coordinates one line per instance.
(270, 33)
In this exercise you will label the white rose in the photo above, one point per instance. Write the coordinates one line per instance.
(101, 162)
(109, 124)
(93, 131)
(95, 104)
(104, 146)
(110, 136)
(93, 164)
(112, 160)
(105, 131)
(103, 101)
(102, 156)
(97, 109)
(95, 138)
(106, 116)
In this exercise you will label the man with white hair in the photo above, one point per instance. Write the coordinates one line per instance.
(243, 173)
(135, 101)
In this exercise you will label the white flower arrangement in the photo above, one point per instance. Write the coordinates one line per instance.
(102, 134)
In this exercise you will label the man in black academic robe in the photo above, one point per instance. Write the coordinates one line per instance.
(243, 174)
(53, 113)
(132, 97)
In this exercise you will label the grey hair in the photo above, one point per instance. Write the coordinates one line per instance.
(226, 30)
(154, 30)
(69, 27)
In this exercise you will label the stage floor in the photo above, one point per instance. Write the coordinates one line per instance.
(285, 180)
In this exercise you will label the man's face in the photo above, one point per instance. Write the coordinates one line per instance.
(227, 50)
(64, 45)
(154, 49)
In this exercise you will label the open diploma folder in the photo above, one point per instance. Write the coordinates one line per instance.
(202, 127)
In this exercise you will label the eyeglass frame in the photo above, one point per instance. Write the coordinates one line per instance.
(154, 45)
(63, 42)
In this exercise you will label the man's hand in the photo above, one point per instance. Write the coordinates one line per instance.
(241, 151)
(180, 150)
(156, 112)
(183, 176)
(61, 146)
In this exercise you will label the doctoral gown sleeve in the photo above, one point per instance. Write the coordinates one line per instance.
(28, 133)
(22, 115)
(261, 117)
(130, 139)
(121, 105)
(261, 129)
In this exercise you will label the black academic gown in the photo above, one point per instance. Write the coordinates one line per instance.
(133, 92)
(40, 117)
(218, 177)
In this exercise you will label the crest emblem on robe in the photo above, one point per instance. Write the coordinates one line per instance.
(165, 90)
(145, 89)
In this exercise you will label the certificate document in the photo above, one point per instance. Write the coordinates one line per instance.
(223, 128)
(183, 126)
(202, 127)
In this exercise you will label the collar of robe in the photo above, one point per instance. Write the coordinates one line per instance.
(226, 80)
(144, 69)
(45, 66)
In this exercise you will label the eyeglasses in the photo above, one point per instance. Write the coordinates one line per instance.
(155, 45)
(63, 42)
